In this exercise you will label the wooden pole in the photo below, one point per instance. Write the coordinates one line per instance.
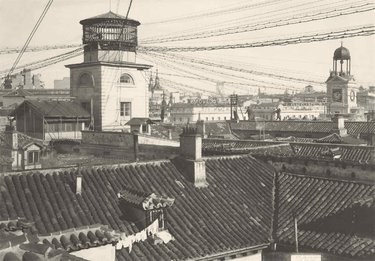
(296, 232)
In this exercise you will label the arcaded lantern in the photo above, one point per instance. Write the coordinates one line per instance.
(107, 34)
(342, 55)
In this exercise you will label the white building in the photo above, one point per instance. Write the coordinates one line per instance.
(109, 83)
(207, 111)
(293, 110)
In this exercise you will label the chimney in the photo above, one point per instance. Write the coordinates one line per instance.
(136, 145)
(170, 134)
(79, 178)
(201, 128)
(340, 125)
(190, 161)
(12, 136)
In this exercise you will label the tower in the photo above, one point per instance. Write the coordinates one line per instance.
(341, 86)
(109, 81)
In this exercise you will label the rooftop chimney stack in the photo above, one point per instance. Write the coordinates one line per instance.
(11, 134)
(79, 178)
(190, 161)
(340, 125)
(201, 128)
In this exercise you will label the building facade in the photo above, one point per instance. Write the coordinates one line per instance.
(203, 110)
(109, 83)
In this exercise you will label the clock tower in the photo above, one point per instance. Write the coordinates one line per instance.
(109, 82)
(341, 86)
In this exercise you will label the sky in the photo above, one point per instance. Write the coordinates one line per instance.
(307, 60)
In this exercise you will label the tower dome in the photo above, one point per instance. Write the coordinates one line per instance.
(341, 53)
(111, 32)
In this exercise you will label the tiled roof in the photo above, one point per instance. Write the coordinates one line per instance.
(82, 238)
(144, 200)
(331, 138)
(139, 121)
(234, 211)
(313, 198)
(51, 108)
(222, 146)
(23, 140)
(353, 128)
(350, 153)
(335, 243)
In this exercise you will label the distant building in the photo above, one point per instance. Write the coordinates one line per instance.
(200, 109)
(24, 79)
(16, 97)
(366, 98)
(51, 120)
(64, 83)
(301, 110)
(18, 151)
(310, 95)
(109, 80)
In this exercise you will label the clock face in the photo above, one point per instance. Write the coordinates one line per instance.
(352, 95)
(337, 95)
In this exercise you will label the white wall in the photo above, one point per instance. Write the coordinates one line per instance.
(102, 253)
(114, 92)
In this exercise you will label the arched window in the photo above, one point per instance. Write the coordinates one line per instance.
(126, 78)
(86, 79)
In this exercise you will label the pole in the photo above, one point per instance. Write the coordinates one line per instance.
(296, 232)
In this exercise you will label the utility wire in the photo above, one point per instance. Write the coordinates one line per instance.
(30, 37)
(237, 69)
(364, 30)
(271, 24)
(264, 16)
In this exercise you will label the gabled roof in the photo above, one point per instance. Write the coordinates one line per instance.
(51, 108)
(24, 141)
(139, 121)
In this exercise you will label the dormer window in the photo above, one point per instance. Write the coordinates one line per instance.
(126, 79)
(86, 80)
(144, 208)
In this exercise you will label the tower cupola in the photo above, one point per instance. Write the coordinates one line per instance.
(109, 37)
(341, 56)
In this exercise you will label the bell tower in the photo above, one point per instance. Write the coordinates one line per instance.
(341, 86)
(109, 82)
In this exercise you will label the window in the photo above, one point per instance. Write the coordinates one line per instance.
(125, 109)
(126, 78)
(206, 118)
(86, 80)
(33, 157)
(86, 106)
(144, 128)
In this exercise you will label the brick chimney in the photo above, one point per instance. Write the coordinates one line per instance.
(340, 125)
(190, 161)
